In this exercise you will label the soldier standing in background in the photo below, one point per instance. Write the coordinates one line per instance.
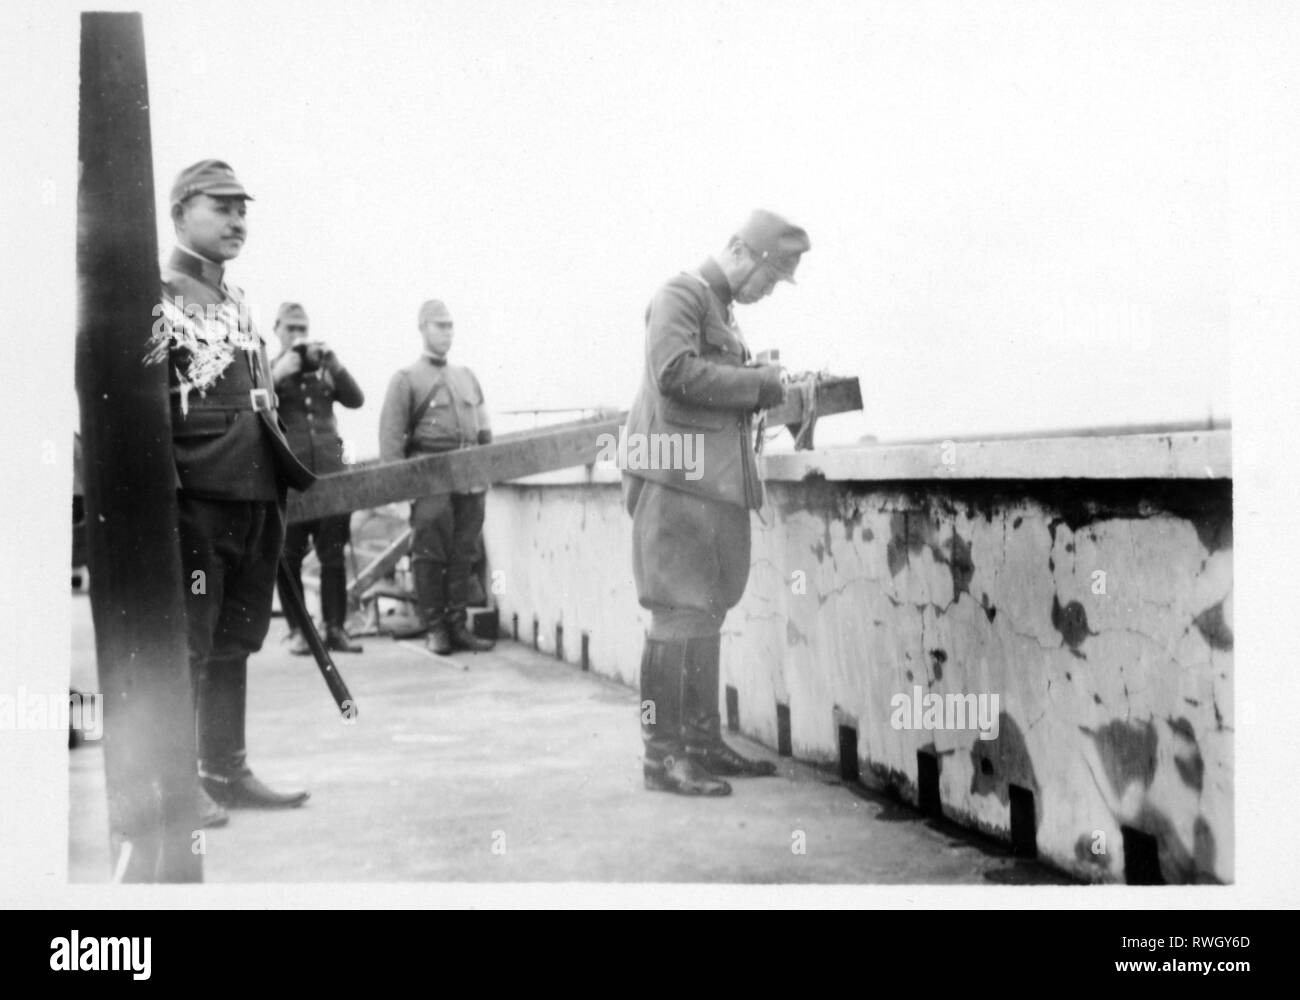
(309, 379)
(691, 535)
(433, 406)
(233, 468)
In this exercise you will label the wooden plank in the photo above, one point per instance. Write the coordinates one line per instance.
(523, 454)
(380, 567)
(513, 456)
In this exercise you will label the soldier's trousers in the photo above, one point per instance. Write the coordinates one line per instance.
(690, 558)
(229, 553)
(330, 536)
(445, 532)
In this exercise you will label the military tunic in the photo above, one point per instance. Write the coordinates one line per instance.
(307, 407)
(691, 531)
(233, 466)
(445, 528)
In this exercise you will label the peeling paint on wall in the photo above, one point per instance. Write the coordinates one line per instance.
(1072, 622)
(1116, 699)
(1214, 627)
(1127, 752)
(1001, 763)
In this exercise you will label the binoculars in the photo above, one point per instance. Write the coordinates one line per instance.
(311, 352)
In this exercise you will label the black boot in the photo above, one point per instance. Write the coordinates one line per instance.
(220, 695)
(334, 608)
(438, 640)
(337, 639)
(430, 595)
(457, 611)
(667, 768)
(682, 776)
(461, 637)
(245, 791)
(701, 722)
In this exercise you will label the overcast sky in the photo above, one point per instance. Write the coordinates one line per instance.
(1018, 212)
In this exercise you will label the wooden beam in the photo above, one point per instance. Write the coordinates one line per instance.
(513, 456)
(129, 472)
(380, 567)
(527, 453)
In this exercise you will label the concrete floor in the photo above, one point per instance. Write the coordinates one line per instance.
(521, 769)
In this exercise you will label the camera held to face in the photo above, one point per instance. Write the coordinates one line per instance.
(312, 353)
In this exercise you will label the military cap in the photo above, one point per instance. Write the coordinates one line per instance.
(212, 177)
(776, 241)
(290, 311)
(433, 311)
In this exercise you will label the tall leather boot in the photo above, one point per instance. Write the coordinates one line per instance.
(667, 768)
(220, 698)
(458, 610)
(334, 608)
(701, 721)
(209, 812)
(431, 603)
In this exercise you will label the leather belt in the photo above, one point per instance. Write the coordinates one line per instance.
(257, 400)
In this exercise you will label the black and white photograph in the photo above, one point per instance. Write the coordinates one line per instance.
(587, 452)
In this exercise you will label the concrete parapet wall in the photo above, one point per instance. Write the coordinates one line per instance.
(1090, 619)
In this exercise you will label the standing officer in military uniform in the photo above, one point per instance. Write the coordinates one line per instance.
(233, 466)
(691, 536)
(433, 406)
(309, 379)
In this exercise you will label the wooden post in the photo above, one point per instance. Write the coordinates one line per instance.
(130, 477)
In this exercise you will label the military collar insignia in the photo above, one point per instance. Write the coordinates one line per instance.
(209, 272)
(717, 281)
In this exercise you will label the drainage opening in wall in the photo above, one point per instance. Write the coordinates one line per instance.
(1141, 858)
(848, 753)
(783, 730)
(1024, 833)
(927, 784)
(733, 709)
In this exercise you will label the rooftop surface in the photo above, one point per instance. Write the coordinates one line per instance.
(511, 766)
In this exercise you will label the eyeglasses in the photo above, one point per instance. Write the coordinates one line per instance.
(295, 328)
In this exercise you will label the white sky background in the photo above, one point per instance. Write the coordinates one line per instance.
(1018, 212)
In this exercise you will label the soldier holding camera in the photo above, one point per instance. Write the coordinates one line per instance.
(309, 379)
